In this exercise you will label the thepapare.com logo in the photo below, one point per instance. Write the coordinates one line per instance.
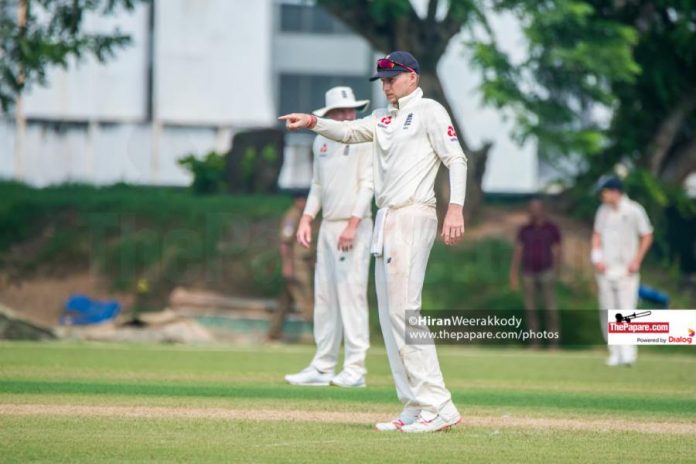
(628, 325)
(673, 327)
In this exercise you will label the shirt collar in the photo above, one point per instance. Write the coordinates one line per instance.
(623, 203)
(407, 100)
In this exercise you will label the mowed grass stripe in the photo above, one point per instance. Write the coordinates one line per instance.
(329, 416)
(66, 374)
(114, 439)
(663, 405)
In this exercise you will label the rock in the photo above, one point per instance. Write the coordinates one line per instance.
(158, 318)
(181, 298)
(179, 331)
(15, 327)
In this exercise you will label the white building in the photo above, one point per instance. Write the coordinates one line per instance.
(200, 70)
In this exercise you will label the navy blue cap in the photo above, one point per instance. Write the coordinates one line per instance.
(401, 60)
(610, 183)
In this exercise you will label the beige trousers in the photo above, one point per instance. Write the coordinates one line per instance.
(409, 234)
(618, 293)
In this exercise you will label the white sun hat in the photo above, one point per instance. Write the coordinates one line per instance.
(341, 97)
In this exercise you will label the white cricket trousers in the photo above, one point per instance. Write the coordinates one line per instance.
(409, 234)
(340, 298)
(619, 293)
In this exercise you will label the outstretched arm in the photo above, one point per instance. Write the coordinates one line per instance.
(358, 131)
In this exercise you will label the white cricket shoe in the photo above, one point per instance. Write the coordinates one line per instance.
(310, 377)
(396, 424)
(348, 380)
(429, 422)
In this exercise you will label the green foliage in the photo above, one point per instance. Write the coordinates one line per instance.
(658, 198)
(52, 35)
(208, 173)
(633, 65)
(574, 55)
(269, 153)
(247, 166)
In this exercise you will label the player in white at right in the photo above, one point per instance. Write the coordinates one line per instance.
(621, 238)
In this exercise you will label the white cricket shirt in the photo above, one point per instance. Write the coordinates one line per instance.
(409, 143)
(620, 230)
(342, 180)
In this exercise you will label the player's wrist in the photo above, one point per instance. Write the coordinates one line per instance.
(354, 222)
(596, 256)
(312, 122)
(455, 208)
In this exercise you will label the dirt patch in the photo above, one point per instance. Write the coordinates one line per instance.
(616, 425)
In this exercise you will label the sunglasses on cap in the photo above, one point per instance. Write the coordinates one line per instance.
(386, 64)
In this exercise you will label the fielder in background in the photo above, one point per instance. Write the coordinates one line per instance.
(621, 238)
(538, 253)
(298, 269)
(342, 189)
(410, 138)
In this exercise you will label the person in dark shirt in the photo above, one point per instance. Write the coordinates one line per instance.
(538, 253)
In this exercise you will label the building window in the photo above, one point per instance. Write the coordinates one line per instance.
(309, 19)
(305, 93)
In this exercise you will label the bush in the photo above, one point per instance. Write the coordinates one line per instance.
(208, 173)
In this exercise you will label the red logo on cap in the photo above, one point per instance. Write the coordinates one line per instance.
(386, 120)
(451, 132)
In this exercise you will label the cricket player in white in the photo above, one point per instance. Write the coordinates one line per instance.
(342, 189)
(410, 138)
(621, 238)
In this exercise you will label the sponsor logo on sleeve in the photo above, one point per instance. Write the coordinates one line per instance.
(385, 121)
(451, 133)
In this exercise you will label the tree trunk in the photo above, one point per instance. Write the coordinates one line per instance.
(664, 138)
(20, 117)
(681, 164)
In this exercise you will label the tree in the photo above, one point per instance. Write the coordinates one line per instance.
(395, 25)
(38, 34)
(631, 61)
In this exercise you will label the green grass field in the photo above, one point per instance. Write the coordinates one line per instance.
(67, 402)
